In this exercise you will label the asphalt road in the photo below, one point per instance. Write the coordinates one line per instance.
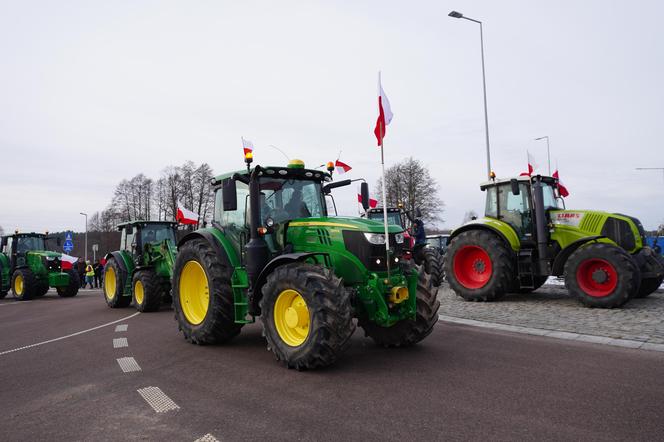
(461, 383)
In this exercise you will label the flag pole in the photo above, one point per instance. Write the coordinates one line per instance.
(382, 163)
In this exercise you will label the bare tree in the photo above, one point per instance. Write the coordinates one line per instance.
(2, 231)
(409, 183)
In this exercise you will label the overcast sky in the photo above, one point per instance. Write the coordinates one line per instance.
(92, 92)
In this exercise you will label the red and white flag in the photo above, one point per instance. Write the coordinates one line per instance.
(562, 190)
(372, 202)
(532, 165)
(186, 216)
(341, 167)
(384, 114)
(67, 261)
(247, 145)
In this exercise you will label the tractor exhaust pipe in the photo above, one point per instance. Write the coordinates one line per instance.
(257, 252)
(542, 229)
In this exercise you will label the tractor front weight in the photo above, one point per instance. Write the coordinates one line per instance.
(381, 302)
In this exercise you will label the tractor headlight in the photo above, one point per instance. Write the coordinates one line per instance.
(375, 238)
(398, 238)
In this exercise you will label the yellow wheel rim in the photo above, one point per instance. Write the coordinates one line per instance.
(139, 293)
(109, 283)
(18, 284)
(291, 317)
(194, 292)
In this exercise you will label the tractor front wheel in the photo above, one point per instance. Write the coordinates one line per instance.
(202, 294)
(648, 286)
(114, 281)
(71, 289)
(307, 315)
(433, 265)
(479, 266)
(601, 275)
(24, 284)
(147, 291)
(409, 332)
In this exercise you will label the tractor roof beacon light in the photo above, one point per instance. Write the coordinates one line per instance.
(248, 158)
(296, 164)
(330, 167)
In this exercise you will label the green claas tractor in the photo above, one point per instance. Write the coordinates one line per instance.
(29, 269)
(272, 251)
(141, 270)
(423, 254)
(526, 237)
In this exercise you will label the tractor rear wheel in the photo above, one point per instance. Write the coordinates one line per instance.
(24, 284)
(202, 294)
(147, 291)
(479, 266)
(307, 315)
(42, 288)
(433, 265)
(71, 289)
(601, 275)
(408, 332)
(114, 282)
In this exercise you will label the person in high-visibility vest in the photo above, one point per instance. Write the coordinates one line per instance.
(89, 275)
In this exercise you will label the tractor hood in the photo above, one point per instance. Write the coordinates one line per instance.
(44, 253)
(345, 223)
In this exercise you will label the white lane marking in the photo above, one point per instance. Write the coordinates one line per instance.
(120, 342)
(157, 399)
(128, 364)
(68, 336)
(207, 438)
(121, 327)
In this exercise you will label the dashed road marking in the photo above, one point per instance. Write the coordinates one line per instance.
(68, 336)
(121, 328)
(120, 342)
(128, 364)
(157, 399)
(207, 438)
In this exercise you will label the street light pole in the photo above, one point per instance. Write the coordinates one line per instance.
(548, 150)
(456, 14)
(86, 236)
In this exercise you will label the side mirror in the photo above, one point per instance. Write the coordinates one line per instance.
(364, 193)
(229, 194)
(515, 186)
(129, 230)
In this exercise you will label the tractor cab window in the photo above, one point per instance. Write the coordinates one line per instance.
(491, 209)
(7, 247)
(393, 218)
(127, 241)
(286, 199)
(550, 201)
(515, 209)
(234, 222)
(27, 243)
(157, 234)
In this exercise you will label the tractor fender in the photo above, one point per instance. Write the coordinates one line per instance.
(280, 260)
(559, 263)
(512, 242)
(212, 240)
(122, 264)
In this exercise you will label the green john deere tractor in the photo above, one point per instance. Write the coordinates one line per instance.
(29, 269)
(423, 254)
(274, 252)
(526, 237)
(141, 270)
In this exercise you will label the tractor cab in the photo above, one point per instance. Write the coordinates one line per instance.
(136, 236)
(18, 245)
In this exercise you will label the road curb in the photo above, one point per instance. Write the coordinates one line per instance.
(556, 334)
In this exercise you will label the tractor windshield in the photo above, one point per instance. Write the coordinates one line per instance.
(550, 201)
(156, 233)
(393, 218)
(286, 199)
(27, 243)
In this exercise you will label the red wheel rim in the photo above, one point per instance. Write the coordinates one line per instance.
(597, 277)
(472, 267)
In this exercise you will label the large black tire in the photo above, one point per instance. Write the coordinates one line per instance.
(479, 266)
(70, 290)
(648, 286)
(24, 284)
(539, 282)
(328, 315)
(218, 323)
(3, 293)
(433, 265)
(152, 288)
(114, 282)
(408, 332)
(601, 275)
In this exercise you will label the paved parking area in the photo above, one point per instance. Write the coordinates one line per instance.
(551, 308)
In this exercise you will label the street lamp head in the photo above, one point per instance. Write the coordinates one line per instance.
(84, 214)
(455, 14)
(541, 138)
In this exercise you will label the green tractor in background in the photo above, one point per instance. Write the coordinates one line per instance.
(525, 237)
(141, 270)
(423, 254)
(29, 269)
(272, 251)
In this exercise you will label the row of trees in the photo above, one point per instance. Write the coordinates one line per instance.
(145, 198)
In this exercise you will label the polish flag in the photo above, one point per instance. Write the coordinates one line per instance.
(384, 114)
(67, 261)
(561, 187)
(342, 167)
(186, 216)
(532, 164)
(372, 202)
(247, 145)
